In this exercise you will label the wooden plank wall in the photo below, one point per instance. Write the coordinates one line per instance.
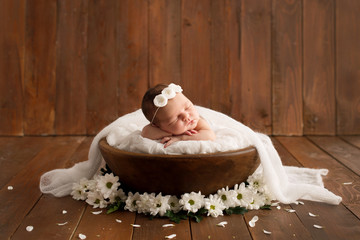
(71, 67)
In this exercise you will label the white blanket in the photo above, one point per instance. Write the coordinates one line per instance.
(287, 184)
(129, 138)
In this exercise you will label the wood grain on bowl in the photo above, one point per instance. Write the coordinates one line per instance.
(178, 174)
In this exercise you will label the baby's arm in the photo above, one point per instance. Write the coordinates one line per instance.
(202, 132)
(152, 132)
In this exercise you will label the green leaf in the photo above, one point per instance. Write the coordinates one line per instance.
(112, 209)
(228, 211)
(115, 207)
(169, 213)
(176, 217)
(236, 210)
(198, 216)
(266, 207)
(202, 211)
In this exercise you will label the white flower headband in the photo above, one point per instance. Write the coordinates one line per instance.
(167, 93)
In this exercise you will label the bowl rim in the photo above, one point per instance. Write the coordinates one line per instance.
(104, 144)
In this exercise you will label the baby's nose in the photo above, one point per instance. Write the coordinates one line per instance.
(186, 116)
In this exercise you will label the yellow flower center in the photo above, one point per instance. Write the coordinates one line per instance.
(239, 196)
(109, 185)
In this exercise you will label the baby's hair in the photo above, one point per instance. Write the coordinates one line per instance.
(147, 106)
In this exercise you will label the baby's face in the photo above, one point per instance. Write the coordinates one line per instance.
(178, 116)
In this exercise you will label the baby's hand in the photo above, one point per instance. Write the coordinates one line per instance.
(167, 141)
(191, 132)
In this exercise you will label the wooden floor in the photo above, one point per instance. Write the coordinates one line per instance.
(24, 159)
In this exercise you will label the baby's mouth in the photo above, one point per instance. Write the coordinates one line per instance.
(191, 122)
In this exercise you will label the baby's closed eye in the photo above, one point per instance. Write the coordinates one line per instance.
(173, 121)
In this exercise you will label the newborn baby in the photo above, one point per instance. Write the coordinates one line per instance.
(172, 116)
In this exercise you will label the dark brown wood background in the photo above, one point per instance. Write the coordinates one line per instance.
(70, 67)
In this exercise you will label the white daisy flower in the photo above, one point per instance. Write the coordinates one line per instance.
(258, 201)
(260, 186)
(80, 190)
(268, 197)
(96, 199)
(174, 204)
(192, 202)
(257, 183)
(214, 205)
(145, 202)
(160, 205)
(227, 196)
(131, 202)
(90, 185)
(118, 195)
(244, 196)
(108, 184)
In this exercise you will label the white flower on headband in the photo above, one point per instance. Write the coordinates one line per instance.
(160, 100)
(175, 87)
(167, 93)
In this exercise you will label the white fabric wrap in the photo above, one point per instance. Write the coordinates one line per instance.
(287, 184)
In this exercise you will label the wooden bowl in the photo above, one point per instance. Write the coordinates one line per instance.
(179, 174)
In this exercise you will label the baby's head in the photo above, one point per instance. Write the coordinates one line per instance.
(167, 108)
